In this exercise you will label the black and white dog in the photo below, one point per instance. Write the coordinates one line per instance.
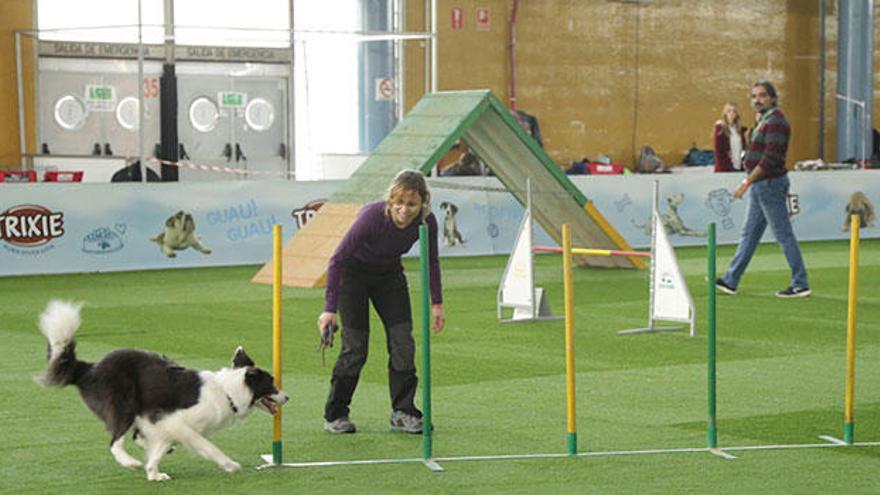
(451, 235)
(162, 402)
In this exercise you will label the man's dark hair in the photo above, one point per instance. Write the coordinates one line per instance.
(768, 86)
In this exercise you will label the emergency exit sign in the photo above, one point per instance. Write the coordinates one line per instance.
(231, 99)
(100, 92)
(100, 98)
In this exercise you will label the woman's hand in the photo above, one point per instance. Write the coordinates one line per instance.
(326, 319)
(438, 318)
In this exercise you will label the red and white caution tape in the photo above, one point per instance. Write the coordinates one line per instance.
(223, 170)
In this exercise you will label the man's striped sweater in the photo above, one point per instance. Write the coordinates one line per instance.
(769, 144)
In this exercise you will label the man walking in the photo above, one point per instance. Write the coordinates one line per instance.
(767, 185)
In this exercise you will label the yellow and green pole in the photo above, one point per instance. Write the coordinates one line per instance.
(276, 338)
(848, 422)
(594, 252)
(569, 341)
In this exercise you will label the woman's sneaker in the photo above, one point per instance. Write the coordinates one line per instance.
(407, 423)
(340, 425)
(794, 292)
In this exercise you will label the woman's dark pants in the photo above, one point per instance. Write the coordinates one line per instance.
(386, 287)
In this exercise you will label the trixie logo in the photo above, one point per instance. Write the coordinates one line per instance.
(304, 214)
(30, 225)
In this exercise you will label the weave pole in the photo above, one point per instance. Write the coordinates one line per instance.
(712, 430)
(848, 422)
(427, 424)
(276, 338)
(571, 403)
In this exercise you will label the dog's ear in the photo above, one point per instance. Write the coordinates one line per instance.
(240, 359)
(453, 208)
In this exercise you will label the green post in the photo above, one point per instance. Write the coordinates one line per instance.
(276, 452)
(427, 448)
(712, 432)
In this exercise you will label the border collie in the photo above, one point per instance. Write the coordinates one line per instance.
(451, 235)
(163, 403)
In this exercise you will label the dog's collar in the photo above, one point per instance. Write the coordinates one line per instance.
(232, 404)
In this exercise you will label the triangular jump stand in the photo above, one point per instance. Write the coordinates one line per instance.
(670, 300)
(517, 289)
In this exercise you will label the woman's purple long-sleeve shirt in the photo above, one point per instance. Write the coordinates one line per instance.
(374, 239)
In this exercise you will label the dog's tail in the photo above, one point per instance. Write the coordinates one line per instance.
(59, 322)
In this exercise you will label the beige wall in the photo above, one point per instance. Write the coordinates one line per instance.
(14, 15)
(608, 77)
(602, 76)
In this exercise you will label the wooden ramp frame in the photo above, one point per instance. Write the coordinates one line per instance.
(422, 138)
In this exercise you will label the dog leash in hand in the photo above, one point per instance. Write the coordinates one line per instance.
(327, 339)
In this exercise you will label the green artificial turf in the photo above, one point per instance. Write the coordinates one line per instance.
(497, 388)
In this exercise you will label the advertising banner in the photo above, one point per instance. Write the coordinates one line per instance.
(82, 227)
(63, 228)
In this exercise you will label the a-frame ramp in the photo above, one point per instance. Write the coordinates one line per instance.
(422, 138)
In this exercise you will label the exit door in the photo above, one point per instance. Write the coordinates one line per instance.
(234, 126)
(91, 108)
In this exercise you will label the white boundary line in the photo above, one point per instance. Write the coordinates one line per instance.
(433, 463)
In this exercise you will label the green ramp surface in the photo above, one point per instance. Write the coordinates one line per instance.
(419, 141)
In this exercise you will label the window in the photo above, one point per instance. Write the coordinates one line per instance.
(99, 20)
(234, 22)
(326, 83)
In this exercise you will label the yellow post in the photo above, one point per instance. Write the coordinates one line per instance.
(276, 337)
(569, 340)
(848, 423)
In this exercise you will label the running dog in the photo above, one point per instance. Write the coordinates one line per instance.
(179, 234)
(451, 235)
(163, 403)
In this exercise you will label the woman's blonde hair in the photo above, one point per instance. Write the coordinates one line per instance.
(409, 180)
(737, 123)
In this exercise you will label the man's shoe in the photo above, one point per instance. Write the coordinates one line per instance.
(723, 287)
(791, 292)
(340, 425)
(407, 423)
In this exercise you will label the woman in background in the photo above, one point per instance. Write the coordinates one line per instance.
(730, 140)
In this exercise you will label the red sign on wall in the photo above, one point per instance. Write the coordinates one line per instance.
(482, 18)
(457, 18)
